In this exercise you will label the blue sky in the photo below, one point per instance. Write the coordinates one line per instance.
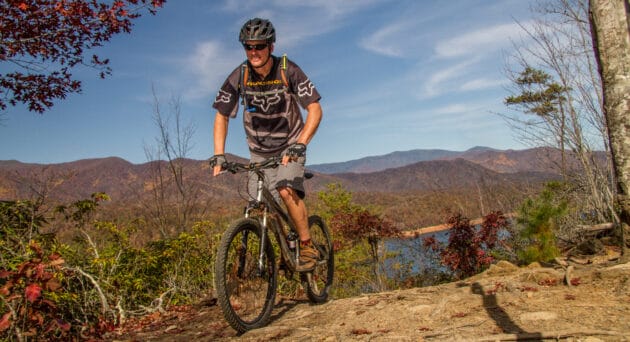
(394, 75)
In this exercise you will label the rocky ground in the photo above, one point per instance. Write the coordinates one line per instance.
(573, 300)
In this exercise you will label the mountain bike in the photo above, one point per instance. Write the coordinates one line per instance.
(246, 273)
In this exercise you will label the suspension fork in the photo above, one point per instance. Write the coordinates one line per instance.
(262, 245)
(263, 242)
(242, 255)
(263, 233)
(263, 226)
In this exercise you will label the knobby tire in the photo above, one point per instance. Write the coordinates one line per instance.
(318, 287)
(246, 295)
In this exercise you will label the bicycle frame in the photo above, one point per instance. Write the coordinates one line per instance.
(273, 215)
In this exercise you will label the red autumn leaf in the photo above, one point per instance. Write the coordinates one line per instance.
(57, 262)
(360, 332)
(548, 282)
(40, 271)
(23, 6)
(54, 256)
(53, 285)
(6, 289)
(37, 317)
(529, 288)
(63, 325)
(33, 292)
(58, 324)
(5, 321)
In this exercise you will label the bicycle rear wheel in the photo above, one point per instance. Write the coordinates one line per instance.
(320, 280)
(245, 291)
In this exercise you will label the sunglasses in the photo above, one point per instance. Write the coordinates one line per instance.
(257, 47)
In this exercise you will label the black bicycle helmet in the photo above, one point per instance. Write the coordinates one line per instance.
(257, 29)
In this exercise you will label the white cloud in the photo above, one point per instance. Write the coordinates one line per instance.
(456, 108)
(445, 79)
(333, 8)
(208, 65)
(482, 41)
(482, 83)
(323, 15)
(384, 40)
(466, 62)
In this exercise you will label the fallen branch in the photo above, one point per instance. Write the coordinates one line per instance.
(597, 228)
(104, 304)
(450, 329)
(411, 234)
(548, 335)
(156, 305)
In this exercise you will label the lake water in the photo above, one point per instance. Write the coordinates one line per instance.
(409, 257)
(412, 256)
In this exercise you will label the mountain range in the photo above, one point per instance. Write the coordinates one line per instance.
(416, 170)
(504, 161)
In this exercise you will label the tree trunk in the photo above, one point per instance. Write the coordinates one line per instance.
(611, 41)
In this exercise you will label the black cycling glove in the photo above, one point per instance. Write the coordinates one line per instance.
(296, 150)
(218, 159)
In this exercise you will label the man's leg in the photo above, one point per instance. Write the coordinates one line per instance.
(297, 210)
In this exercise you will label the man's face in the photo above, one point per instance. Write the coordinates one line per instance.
(257, 52)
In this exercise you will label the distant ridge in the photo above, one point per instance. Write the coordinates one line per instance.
(393, 160)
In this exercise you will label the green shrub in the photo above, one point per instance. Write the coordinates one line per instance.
(55, 291)
(40, 296)
(537, 221)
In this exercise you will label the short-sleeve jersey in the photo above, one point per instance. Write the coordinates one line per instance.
(271, 115)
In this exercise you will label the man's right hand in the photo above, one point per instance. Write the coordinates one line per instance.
(216, 163)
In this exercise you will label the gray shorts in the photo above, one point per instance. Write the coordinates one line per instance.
(291, 175)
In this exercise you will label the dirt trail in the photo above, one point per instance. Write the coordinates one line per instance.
(575, 302)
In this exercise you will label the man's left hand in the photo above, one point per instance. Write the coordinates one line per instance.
(293, 153)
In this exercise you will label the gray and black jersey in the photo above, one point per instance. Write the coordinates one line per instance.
(272, 117)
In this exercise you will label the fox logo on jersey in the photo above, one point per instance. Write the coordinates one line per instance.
(306, 88)
(265, 102)
(223, 96)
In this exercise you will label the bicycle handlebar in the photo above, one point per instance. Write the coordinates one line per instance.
(234, 167)
(270, 163)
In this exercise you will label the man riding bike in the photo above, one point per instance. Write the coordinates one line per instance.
(272, 90)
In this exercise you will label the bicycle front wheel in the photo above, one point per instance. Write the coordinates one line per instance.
(246, 279)
(320, 280)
